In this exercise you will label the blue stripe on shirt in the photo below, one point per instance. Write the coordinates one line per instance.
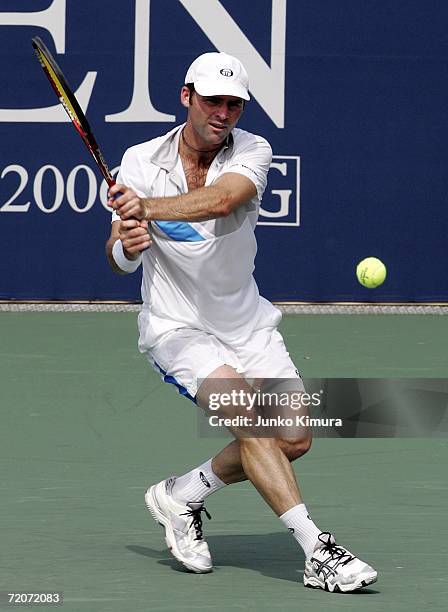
(180, 231)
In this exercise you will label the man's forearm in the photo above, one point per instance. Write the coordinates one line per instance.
(201, 204)
(211, 202)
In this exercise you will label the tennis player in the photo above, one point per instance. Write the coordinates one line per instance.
(203, 325)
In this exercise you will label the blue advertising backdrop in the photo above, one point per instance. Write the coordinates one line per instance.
(352, 95)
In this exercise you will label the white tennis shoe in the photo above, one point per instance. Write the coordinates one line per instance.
(183, 526)
(333, 568)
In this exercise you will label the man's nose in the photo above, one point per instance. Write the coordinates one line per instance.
(222, 111)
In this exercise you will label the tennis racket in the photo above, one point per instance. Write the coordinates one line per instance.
(71, 105)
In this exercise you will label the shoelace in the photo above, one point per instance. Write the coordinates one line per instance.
(196, 520)
(337, 553)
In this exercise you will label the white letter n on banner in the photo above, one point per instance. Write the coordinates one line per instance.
(266, 83)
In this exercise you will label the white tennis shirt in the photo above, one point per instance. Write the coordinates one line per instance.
(200, 274)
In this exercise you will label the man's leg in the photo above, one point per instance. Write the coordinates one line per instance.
(227, 463)
(170, 501)
(261, 460)
(264, 462)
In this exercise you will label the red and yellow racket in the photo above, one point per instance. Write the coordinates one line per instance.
(70, 103)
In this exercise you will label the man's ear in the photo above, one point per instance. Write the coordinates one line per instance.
(185, 96)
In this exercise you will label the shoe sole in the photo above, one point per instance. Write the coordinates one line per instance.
(314, 583)
(163, 521)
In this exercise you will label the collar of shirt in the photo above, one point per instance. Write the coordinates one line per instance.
(166, 155)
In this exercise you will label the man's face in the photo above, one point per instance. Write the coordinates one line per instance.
(212, 118)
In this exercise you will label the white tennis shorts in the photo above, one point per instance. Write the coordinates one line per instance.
(185, 357)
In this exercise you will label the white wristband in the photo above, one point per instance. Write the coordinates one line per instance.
(125, 264)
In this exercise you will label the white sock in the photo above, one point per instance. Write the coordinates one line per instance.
(197, 484)
(306, 533)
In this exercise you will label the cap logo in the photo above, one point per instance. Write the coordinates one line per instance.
(226, 72)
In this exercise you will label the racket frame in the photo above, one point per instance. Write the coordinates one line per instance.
(68, 100)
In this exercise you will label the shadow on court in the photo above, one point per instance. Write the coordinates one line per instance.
(270, 554)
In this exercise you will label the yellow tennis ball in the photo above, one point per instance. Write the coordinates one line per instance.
(371, 272)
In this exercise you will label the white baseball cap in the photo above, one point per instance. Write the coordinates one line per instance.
(218, 74)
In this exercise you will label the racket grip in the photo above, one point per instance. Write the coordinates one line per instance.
(110, 183)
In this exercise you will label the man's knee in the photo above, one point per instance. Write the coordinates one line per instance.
(294, 449)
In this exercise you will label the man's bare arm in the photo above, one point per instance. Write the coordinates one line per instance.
(227, 193)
